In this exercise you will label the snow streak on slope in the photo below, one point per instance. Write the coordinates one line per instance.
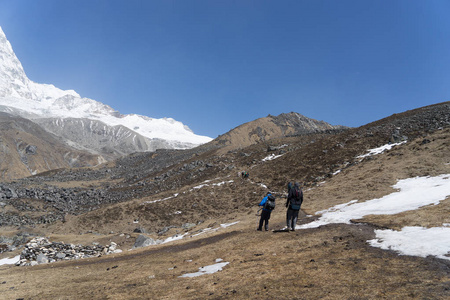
(47, 101)
(380, 150)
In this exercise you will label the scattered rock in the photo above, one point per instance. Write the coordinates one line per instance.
(40, 251)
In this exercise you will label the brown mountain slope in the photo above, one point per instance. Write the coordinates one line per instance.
(27, 149)
(270, 127)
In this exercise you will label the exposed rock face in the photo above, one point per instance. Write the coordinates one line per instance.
(94, 136)
(295, 124)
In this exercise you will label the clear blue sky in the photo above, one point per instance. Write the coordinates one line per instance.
(214, 65)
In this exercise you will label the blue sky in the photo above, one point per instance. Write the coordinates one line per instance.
(215, 65)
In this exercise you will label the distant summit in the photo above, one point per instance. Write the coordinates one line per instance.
(48, 105)
(270, 127)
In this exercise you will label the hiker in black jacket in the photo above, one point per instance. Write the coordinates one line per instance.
(293, 203)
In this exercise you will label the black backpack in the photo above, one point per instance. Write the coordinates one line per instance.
(270, 203)
(296, 202)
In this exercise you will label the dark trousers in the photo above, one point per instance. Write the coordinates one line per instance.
(291, 218)
(265, 216)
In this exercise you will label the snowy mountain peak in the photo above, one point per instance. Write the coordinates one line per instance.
(15, 83)
(12, 76)
(24, 97)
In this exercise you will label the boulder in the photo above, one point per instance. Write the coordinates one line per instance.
(144, 241)
(140, 230)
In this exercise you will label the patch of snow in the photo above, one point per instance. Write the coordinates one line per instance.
(173, 238)
(211, 269)
(199, 186)
(207, 230)
(413, 193)
(228, 224)
(263, 185)
(214, 184)
(416, 241)
(159, 200)
(9, 261)
(380, 150)
(271, 157)
(337, 172)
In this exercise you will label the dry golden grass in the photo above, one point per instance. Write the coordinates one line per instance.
(331, 262)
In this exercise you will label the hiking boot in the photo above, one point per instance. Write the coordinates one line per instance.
(259, 229)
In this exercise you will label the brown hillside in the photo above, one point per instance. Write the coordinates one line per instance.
(193, 192)
(270, 127)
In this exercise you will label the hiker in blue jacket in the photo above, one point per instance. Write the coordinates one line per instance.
(293, 203)
(267, 204)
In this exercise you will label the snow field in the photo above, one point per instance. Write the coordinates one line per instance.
(417, 241)
(412, 194)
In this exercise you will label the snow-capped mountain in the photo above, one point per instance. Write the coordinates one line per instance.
(21, 96)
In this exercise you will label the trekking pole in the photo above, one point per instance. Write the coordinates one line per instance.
(258, 212)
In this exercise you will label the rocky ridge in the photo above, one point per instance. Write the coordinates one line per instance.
(265, 129)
